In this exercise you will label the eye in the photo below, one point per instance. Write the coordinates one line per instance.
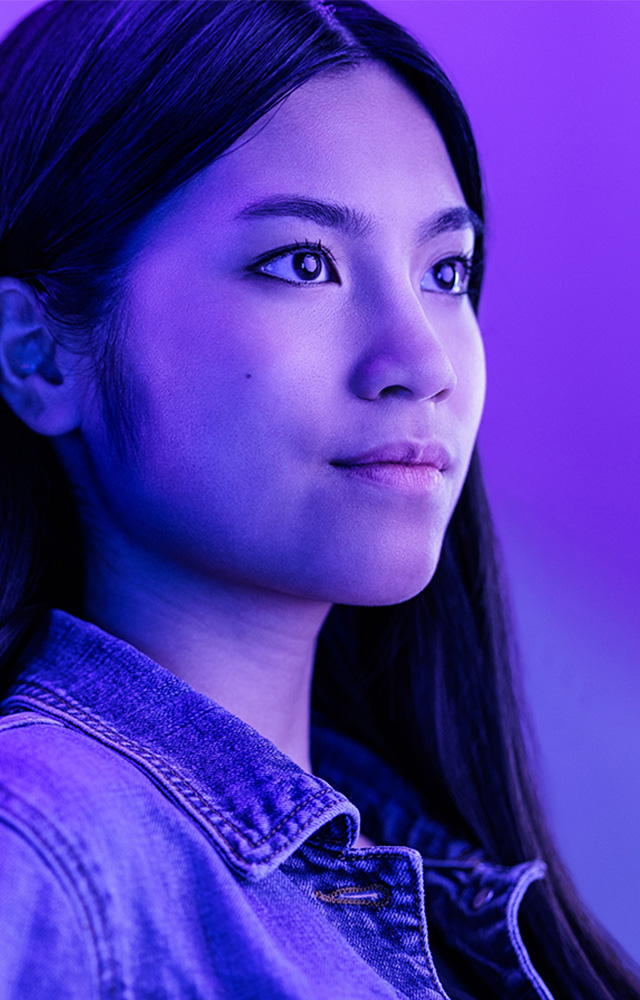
(450, 276)
(300, 264)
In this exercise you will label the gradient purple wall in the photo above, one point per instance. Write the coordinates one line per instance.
(553, 91)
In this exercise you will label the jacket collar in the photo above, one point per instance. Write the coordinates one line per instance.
(252, 800)
(255, 803)
(391, 810)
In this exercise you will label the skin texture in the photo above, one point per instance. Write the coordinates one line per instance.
(219, 548)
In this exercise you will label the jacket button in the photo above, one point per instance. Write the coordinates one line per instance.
(482, 897)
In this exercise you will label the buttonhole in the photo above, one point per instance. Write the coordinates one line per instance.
(358, 895)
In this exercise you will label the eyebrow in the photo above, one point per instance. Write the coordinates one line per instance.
(354, 223)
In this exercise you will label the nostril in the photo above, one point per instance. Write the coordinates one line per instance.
(395, 390)
(420, 372)
(440, 397)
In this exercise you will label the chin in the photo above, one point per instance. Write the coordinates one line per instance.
(383, 585)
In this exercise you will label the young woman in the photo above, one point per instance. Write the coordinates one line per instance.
(261, 735)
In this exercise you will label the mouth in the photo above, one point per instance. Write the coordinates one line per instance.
(421, 478)
(410, 453)
(406, 465)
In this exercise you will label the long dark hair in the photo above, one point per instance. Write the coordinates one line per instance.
(106, 107)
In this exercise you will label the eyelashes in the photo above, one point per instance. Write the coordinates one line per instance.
(451, 275)
(298, 264)
(310, 263)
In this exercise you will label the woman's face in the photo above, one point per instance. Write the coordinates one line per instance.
(290, 316)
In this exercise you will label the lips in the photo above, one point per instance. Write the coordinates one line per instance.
(410, 467)
(407, 453)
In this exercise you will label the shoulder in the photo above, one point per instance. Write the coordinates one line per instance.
(87, 813)
(91, 810)
(59, 778)
(61, 793)
(57, 768)
(50, 905)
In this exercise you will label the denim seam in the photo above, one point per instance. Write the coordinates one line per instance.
(421, 914)
(14, 719)
(53, 700)
(535, 870)
(62, 857)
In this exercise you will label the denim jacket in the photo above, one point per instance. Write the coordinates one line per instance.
(152, 845)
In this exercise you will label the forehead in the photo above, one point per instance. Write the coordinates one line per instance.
(357, 137)
(364, 123)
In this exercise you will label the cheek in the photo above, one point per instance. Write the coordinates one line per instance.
(468, 359)
(231, 387)
(477, 374)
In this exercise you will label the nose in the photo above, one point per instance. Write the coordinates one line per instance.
(404, 355)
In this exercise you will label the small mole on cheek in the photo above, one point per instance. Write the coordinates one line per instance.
(247, 375)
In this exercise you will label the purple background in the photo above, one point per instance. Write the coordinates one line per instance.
(553, 91)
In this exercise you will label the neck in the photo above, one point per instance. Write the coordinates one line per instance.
(250, 650)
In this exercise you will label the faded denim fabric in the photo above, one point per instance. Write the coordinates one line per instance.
(152, 845)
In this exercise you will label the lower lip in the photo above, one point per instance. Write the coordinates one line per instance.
(411, 478)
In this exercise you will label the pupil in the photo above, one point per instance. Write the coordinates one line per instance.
(307, 265)
(447, 275)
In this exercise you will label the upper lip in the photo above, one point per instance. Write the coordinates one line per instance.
(401, 453)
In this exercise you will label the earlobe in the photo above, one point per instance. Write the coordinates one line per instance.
(32, 377)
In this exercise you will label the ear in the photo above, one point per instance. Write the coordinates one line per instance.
(38, 378)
